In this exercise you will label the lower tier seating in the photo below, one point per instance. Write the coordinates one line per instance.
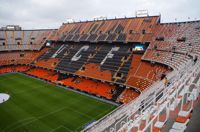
(13, 69)
(50, 63)
(20, 57)
(90, 86)
(44, 74)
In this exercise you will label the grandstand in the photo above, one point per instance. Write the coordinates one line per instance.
(149, 69)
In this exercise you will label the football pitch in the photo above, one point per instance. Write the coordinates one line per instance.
(35, 106)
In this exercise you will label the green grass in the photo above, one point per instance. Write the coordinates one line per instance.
(35, 106)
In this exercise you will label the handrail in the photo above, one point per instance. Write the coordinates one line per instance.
(134, 105)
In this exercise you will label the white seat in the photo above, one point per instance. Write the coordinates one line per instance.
(159, 124)
(184, 113)
(193, 95)
(180, 126)
(184, 90)
(136, 125)
(175, 130)
(174, 104)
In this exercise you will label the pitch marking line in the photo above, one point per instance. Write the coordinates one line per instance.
(56, 128)
(67, 128)
(26, 90)
(40, 117)
(61, 126)
(96, 117)
(12, 124)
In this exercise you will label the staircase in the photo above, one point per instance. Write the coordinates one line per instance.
(117, 93)
(61, 77)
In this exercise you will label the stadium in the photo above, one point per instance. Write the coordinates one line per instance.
(128, 74)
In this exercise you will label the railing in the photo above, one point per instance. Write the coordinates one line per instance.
(135, 105)
(184, 77)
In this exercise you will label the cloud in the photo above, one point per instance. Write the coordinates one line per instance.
(52, 13)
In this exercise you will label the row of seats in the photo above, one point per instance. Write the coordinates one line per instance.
(174, 60)
(43, 74)
(20, 57)
(94, 71)
(47, 63)
(19, 68)
(127, 96)
(150, 71)
(139, 83)
(90, 86)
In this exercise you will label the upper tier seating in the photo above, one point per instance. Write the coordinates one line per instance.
(24, 39)
(180, 38)
(171, 59)
(174, 44)
(119, 30)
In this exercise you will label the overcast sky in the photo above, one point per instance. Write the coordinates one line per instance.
(52, 13)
